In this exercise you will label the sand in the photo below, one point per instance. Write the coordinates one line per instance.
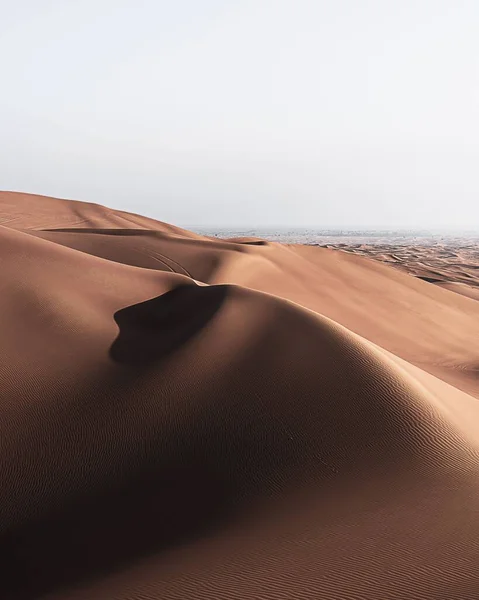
(452, 264)
(193, 418)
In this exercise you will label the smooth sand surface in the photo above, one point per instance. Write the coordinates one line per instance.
(193, 418)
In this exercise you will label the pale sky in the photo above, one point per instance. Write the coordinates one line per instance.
(246, 112)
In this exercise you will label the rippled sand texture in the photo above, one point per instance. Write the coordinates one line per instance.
(453, 265)
(193, 418)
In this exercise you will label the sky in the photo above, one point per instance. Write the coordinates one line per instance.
(257, 113)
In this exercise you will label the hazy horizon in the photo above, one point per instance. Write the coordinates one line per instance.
(248, 114)
(335, 228)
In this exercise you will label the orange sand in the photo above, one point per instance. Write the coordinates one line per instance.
(188, 418)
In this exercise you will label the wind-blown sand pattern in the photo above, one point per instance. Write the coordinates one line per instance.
(193, 418)
(453, 265)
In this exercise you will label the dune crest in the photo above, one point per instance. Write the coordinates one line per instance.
(186, 417)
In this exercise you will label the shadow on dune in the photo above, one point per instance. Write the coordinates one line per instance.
(256, 243)
(153, 512)
(171, 497)
(107, 231)
(248, 242)
(152, 330)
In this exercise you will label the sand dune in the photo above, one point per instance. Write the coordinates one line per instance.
(453, 265)
(192, 418)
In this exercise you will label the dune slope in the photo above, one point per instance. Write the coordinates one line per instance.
(190, 418)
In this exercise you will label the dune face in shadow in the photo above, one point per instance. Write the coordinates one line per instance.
(152, 330)
(189, 418)
(169, 506)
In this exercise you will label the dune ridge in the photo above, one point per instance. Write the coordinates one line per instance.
(186, 417)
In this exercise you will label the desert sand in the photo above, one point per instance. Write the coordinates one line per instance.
(453, 264)
(193, 418)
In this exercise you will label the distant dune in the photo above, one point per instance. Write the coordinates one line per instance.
(451, 264)
(192, 418)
